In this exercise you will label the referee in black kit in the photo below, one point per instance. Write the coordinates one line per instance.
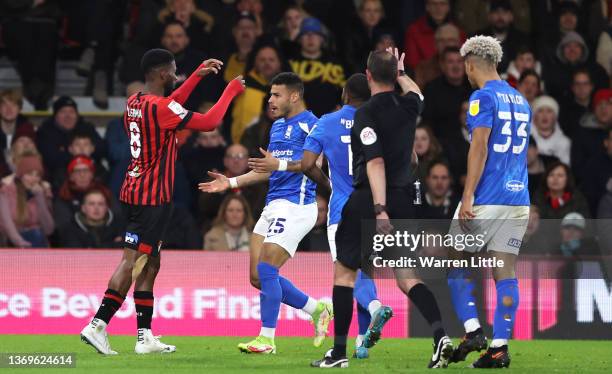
(381, 140)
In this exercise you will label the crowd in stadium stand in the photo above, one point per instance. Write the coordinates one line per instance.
(61, 180)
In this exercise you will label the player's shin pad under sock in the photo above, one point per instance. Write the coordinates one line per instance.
(426, 303)
(342, 298)
(271, 294)
(364, 319)
(507, 303)
(461, 289)
(292, 296)
(144, 308)
(110, 305)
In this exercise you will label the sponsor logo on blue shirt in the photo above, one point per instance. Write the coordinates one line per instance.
(515, 186)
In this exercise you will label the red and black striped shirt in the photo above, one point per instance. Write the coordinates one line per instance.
(151, 123)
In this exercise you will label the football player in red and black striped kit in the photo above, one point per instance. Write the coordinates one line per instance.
(151, 120)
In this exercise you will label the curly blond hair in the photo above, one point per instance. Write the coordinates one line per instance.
(486, 47)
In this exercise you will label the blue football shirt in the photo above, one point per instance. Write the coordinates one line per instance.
(332, 137)
(287, 138)
(506, 112)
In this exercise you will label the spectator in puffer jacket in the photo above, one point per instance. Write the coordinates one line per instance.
(94, 225)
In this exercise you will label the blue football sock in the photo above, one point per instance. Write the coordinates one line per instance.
(365, 290)
(363, 318)
(461, 290)
(292, 296)
(507, 303)
(271, 294)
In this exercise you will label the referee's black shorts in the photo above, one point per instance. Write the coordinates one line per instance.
(146, 227)
(360, 207)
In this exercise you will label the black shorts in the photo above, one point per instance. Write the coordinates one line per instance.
(360, 207)
(146, 227)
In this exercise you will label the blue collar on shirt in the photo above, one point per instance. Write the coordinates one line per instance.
(298, 117)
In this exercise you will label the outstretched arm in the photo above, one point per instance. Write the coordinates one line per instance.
(182, 93)
(221, 183)
(211, 119)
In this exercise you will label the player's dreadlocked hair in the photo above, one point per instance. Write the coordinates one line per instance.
(485, 47)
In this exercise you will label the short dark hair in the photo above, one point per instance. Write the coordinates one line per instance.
(80, 134)
(174, 23)
(527, 73)
(383, 67)
(524, 49)
(357, 87)
(291, 80)
(584, 71)
(450, 49)
(155, 58)
(437, 162)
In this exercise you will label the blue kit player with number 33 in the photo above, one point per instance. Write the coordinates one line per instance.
(495, 201)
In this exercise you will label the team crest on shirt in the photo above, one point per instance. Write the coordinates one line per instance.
(368, 136)
(288, 132)
(474, 107)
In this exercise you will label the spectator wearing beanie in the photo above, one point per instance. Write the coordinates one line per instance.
(593, 130)
(80, 179)
(56, 132)
(546, 131)
(317, 66)
(94, 225)
(25, 205)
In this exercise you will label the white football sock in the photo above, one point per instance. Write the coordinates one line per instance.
(268, 332)
(311, 306)
(141, 333)
(359, 340)
(496, 343)
(373, 306)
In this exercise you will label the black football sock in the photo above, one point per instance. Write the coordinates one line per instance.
(144, 308)
(426, 303)
(110, 305)
(342, 298)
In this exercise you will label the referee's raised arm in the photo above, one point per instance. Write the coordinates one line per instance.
(405, 82)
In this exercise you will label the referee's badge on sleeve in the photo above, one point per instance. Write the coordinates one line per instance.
(474, 107)
(367, 136)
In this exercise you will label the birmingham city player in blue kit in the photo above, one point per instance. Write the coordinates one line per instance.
(290, 213)
(332, 137)
(495, 199)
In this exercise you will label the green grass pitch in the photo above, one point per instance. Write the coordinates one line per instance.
(219, 355)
